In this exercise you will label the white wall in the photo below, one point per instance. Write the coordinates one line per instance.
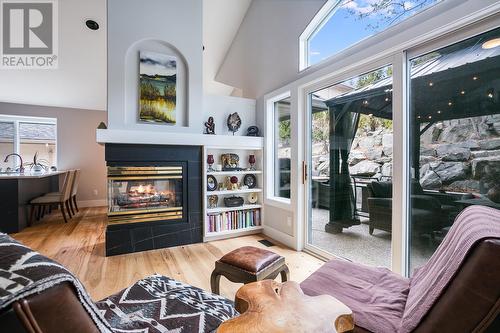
(220, 107)
(170, 27)
(221, 22)
(265, 53)
(80, 80)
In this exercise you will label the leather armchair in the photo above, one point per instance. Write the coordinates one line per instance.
(55, 310)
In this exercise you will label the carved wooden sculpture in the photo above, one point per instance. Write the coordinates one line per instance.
(271, 307)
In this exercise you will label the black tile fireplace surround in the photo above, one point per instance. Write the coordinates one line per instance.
(147, 235)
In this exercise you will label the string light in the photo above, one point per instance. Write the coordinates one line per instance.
(431, 84)
(450, 103)
(365, 102)
(430, 117)
(490, 93)
(463, 92)
(475, 78)
(439, 111)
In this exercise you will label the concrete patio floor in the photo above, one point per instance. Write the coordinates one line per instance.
(356, 244)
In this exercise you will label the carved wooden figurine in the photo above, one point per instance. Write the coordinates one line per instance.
(271, 307)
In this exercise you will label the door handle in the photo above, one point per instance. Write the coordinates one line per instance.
(304, 172)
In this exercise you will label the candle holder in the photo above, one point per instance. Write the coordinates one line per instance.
(251, 161)
(210, 162)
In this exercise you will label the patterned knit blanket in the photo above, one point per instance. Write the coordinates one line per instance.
(160, 304)
(153, 304)
(474, 224)
(24, 272)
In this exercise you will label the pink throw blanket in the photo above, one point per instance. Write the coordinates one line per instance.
(471, 226)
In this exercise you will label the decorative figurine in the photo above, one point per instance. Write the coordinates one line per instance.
(230, 162)
(233, 201)
(211, 183)
(210, 162)
(234, 183)
(253, 197)
(251, 161)
(253, 131)
(210, 126)
(233, 122)
(213, 201)
(250, 181)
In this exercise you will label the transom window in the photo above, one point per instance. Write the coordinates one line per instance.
(342, 23)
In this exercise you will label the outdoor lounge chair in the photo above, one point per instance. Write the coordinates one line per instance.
(429, 212)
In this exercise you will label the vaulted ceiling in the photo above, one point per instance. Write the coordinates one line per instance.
(221, 22)
(80, 79)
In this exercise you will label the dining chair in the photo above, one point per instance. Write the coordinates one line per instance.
(61, 199)
(74, 189)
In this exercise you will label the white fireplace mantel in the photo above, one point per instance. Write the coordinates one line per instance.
(165, 138)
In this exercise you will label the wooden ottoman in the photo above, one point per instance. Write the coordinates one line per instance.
(248, 264)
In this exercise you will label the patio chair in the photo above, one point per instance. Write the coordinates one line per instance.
(428, 213)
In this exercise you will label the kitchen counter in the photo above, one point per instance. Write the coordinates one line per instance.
(29, 175)
(16, 192)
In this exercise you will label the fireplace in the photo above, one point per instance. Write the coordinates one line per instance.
(145, 194)
(154, 197)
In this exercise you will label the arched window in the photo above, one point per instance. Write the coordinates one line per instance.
(340, 24)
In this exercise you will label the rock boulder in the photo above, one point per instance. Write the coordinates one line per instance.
(365, 168)
(453, 152)
(486, 167)
(450, 171)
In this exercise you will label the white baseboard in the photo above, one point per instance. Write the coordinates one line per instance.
(92, 203)
(280, 236)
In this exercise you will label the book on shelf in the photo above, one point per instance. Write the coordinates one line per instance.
(233, 220)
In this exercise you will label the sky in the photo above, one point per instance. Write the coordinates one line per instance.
(345, 29)
(155, 63)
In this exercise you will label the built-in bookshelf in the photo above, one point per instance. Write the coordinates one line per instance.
(221, 221)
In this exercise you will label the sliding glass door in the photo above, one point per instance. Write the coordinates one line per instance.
(350, 168)
(446, 109)
(455, 138)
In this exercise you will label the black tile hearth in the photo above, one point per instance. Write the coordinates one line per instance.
(129, 237)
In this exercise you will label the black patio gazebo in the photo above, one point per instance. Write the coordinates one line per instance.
(455, 83)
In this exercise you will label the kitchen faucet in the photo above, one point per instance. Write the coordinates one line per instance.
(21, 168)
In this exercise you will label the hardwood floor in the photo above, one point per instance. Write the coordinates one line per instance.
(79, 246)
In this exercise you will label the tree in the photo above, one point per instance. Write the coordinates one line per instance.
(384, 12)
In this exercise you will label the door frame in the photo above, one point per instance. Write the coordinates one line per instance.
(401, 125)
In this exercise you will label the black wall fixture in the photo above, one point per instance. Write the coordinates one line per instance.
(92, 25)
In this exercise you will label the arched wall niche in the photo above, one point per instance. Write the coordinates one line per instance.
(131, 83)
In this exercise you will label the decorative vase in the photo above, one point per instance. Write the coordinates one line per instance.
(210, 162)
(37, 168)
(494, 194)
(251, 161)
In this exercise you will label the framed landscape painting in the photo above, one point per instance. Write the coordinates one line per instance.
(157, 81)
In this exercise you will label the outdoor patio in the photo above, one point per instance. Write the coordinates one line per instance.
(356, 244)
